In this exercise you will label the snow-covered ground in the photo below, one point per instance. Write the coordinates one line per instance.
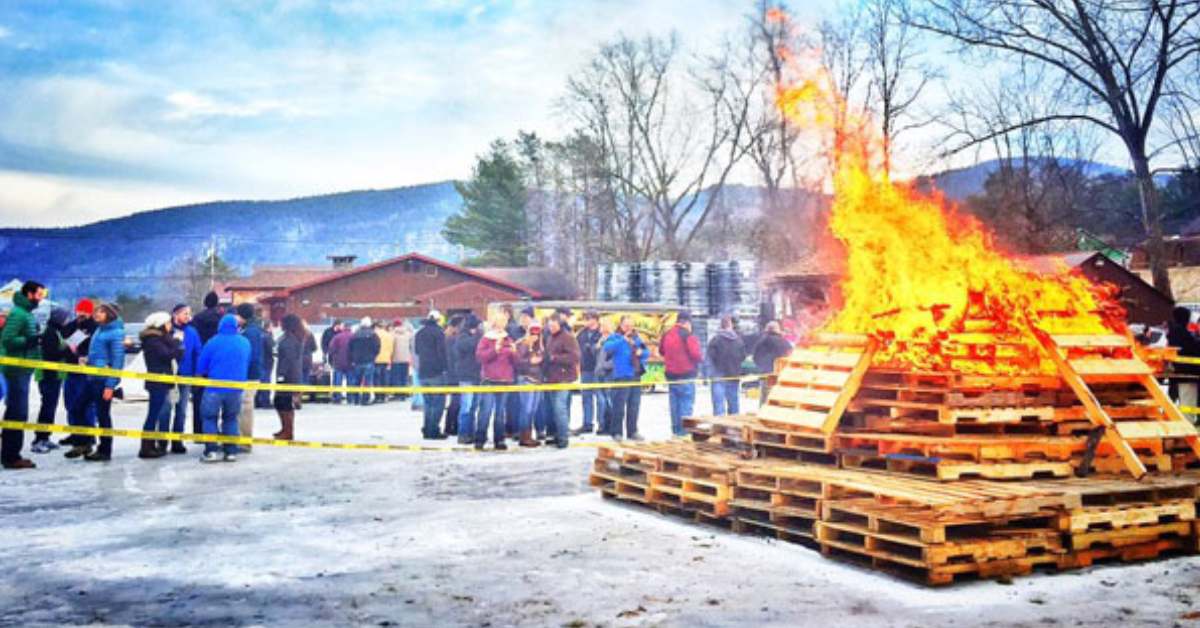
(323, 537)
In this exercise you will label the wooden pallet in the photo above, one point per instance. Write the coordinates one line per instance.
(1080, 559)
(967, 448)
(966, 497)
(1132, 536)
(815, 387)
(953, 470)
(1099, 518)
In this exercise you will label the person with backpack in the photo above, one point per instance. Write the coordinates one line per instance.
(682, 357)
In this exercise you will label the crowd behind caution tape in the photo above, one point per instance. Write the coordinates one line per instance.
(467, 370)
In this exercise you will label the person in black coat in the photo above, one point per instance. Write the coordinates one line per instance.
(430, 347)
(466, 373)
(289, 370)
(726, 352)
(364, 346)
(453, 402)
(54, 349)
(205, 323)
(770, 347)
(162, 350)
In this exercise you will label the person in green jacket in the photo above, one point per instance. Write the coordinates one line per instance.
(20, 340)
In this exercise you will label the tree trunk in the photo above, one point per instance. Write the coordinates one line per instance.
(1152, 223)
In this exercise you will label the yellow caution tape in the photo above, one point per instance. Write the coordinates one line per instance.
(241, 440)
(1183, 360)
(394, 390)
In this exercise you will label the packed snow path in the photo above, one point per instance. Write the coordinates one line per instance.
(301, 537)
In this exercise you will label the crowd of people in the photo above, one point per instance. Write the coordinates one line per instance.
(238, 346)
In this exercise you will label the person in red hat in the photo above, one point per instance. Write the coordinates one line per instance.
(78, 334)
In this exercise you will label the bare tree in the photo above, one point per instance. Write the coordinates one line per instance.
(897, 74)
(668, 137)
(1110, 59)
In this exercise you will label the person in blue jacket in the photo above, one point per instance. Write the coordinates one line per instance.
(185, 332)
(225, 356)
(628, 354)
(107, 350)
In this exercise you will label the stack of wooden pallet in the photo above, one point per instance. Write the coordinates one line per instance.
(964, 471)
(935, 531)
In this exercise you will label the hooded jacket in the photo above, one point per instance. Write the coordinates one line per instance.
(562, 357)
(726, 352)
(387, 346)
(364, 346)
(339, 351)
(466, 366)
(528, 348)
(770, 347)
(20, 337)
(402, 338)
(53, 344)
(430, 347)
(681, 353)
(191, 346)
(1189, 347)
(108, 350)
(161, 351)
(624, 352)
(291, 360)
(206, 323)
(253, 333)
(589, 347)
(226, 356)
(498, 364)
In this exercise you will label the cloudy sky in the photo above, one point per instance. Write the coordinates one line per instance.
(115, 106)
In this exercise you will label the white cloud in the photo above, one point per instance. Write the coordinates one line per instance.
(4, 32)
(187, 105)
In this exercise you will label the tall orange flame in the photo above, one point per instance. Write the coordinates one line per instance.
(929, 281)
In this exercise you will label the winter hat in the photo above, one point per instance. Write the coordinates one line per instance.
(59, 316)
(528, 312)
(178, 306)
(112, 310)
(684, 317)
(365, 322)
(472, 323)
(85, 307)
(158, 320)
(398, 322)
(211, 299)
(246, 311)
(434, 315)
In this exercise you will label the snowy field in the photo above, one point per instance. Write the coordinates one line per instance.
(308, 537)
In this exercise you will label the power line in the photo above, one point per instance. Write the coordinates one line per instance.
(204, 238)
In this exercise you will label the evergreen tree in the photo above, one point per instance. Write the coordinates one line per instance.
(492, 222)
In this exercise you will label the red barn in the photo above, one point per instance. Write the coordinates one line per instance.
(406, 286)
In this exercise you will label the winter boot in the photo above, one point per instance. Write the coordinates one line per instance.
(162, 448)
(527, 439)
(149, 450)
(177, 447)
(287, 422)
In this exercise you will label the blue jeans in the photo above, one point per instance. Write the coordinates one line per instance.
(434, 405)
(51, 388)
(627, 403)
(512, 413)
(559, 402)
(91, 409)
(683, 399)
(225, 405)
(591, 399)
(468, 404)
(185, 393)
(158, 411)
(342, 378)
(364, 375)
(529, 406)
(11, 441)
(398, 375)
(725, 397)
(491, 406)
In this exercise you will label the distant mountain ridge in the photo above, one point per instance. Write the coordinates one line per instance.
(959, 184)
(135, 254)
